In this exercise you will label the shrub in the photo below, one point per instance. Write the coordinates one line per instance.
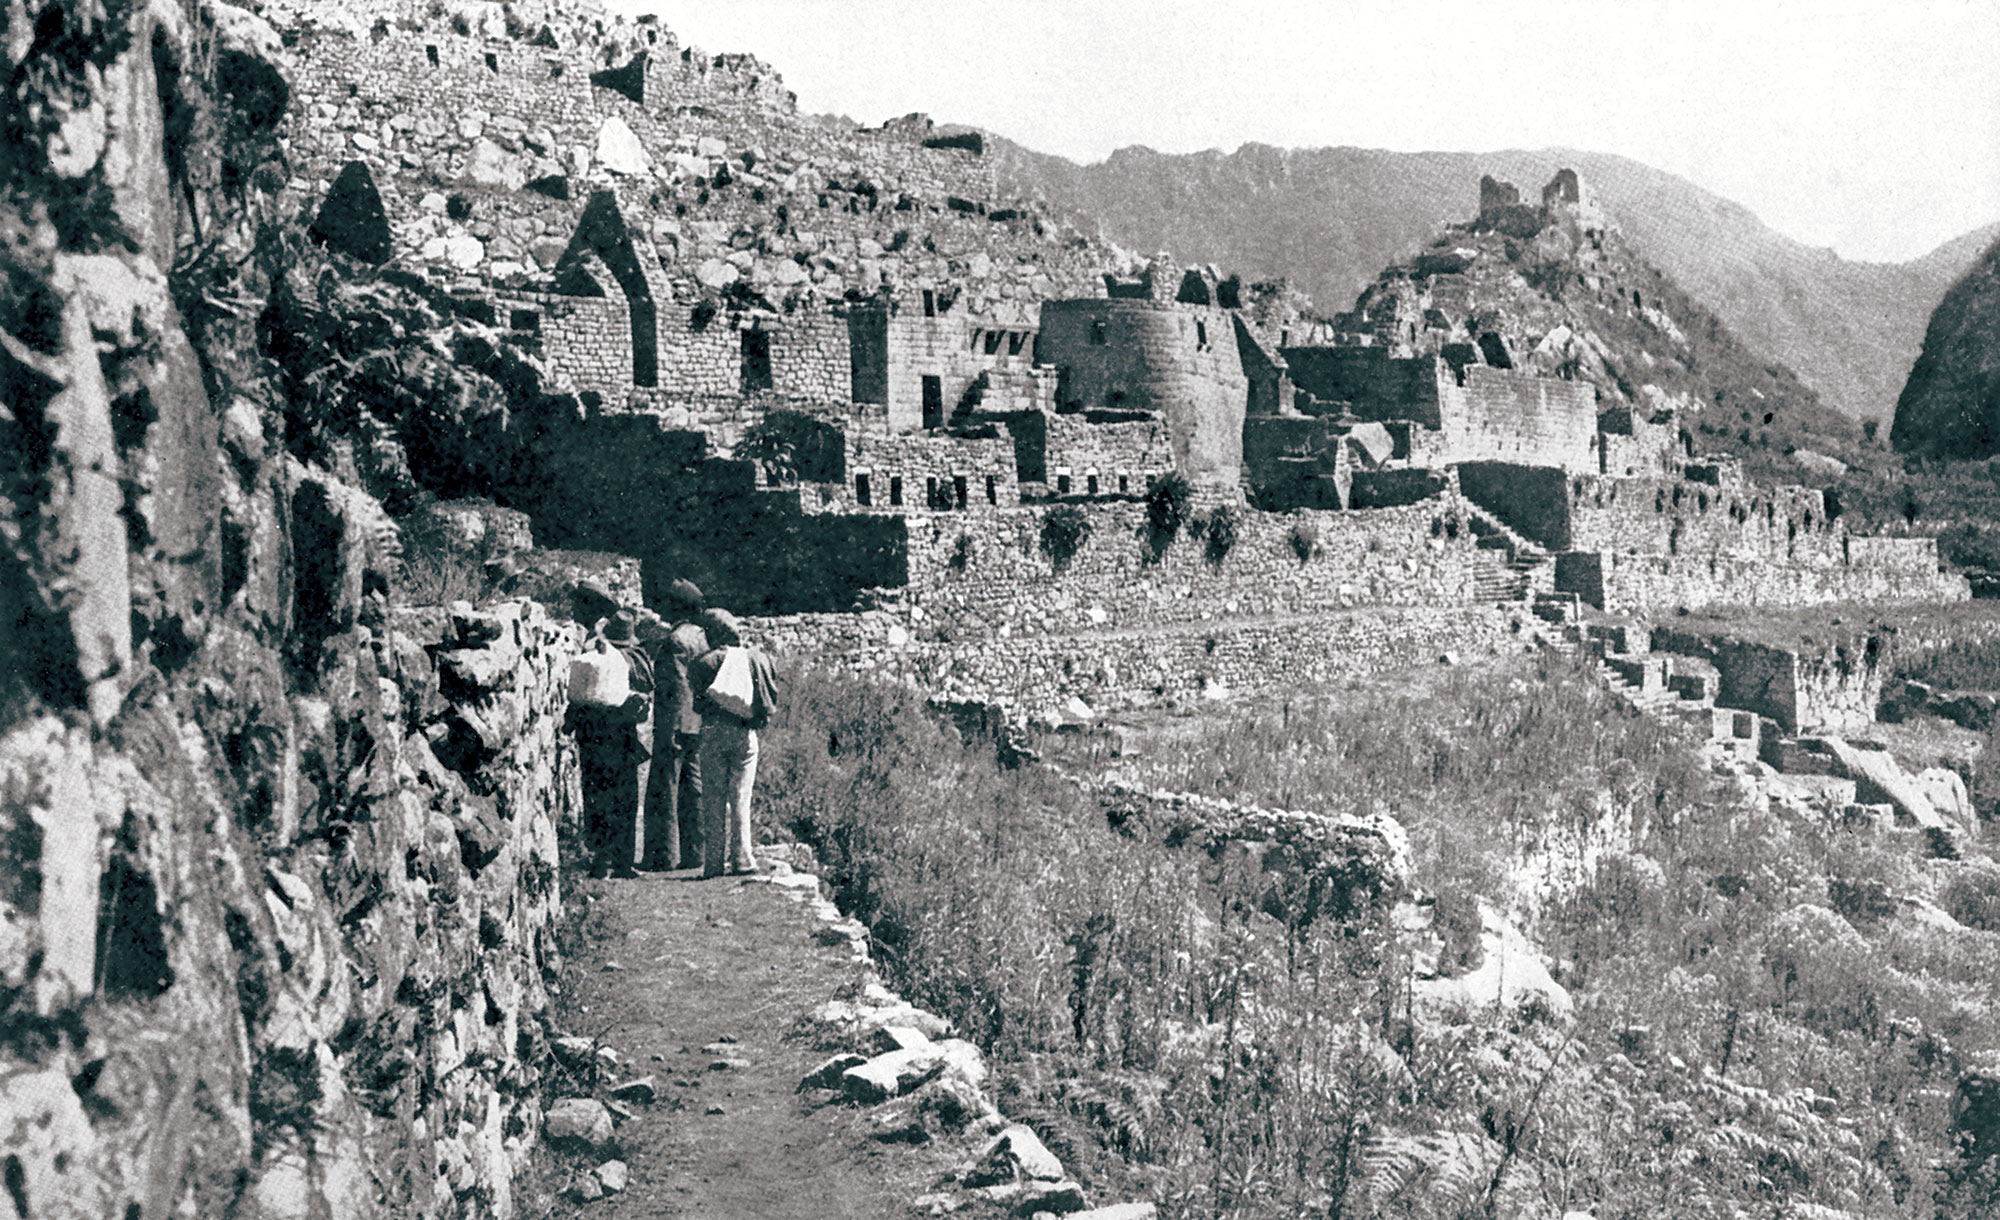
(1064, 531)
(791, 445)
(1168, 505)
(1304, 540)
(961, 554)
(1222, 526)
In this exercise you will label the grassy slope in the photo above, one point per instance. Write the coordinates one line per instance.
(1758, 1026)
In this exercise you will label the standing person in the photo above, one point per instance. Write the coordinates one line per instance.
(673, 806)
(729, 742)
(615, 748)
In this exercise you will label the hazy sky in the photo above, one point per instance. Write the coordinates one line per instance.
(1871, 127)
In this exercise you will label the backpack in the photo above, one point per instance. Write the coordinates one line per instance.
(600, 679)
(734, 689)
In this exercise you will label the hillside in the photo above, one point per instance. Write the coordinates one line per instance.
(1330, 217)
(1951, 406)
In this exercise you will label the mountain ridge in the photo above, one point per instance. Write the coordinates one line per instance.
(1331, 217)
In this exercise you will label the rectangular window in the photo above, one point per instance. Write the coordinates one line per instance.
(431, 53)
(931, 491)
(492, 62)
(895, 491)
(933, 402)
(1090, 483)
(992, 489)
(1098, 337)
(993, 341)
(524, 319)
(1200, 335)
(1014, 341)
(861, 493)
(1062, 484)
(958, 490)
(756, 360)
(1124, 483)
(930, 303)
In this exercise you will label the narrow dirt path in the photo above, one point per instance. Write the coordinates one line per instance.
(697, 964)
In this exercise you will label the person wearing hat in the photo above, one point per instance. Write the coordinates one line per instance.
(673, 806)
(615, 750)
(728, 746)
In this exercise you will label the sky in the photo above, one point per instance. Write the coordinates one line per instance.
(1872, 128)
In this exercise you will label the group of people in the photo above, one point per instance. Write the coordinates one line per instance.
(667, 774)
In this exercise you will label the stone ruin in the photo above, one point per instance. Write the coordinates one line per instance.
(698, 265)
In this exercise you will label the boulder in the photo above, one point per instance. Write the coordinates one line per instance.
(828, 1074)
(893, 1074)
(1119, 1211)
(1062, 1198)
(642, 1090)
(1016, 1154)
(464, 251)
(619, 150)
(716, 274)
(1879, 778)
(614, 1176)
(577, 1122)
(490, 165)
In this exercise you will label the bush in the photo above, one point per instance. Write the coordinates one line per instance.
(1168, 505)
(1064, 531)
(1304, 540)
(791, 445)
(1222, 526)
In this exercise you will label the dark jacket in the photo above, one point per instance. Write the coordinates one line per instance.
(628, 727)
(676, 698)
(702, 671)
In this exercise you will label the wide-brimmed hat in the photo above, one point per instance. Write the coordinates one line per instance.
(620, 627)
(721, 627)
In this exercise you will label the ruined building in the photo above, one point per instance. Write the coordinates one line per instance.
(823, 369)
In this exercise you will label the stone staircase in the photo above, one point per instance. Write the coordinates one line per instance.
(1524, 569)
(1664, 685)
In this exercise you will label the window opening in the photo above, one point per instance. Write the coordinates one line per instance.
(861, 495)
(1098, 337)
(895, 491)
(958, 490)
(524, 319)
(1090, 483)
(431, 53)
(992, 490)
(756, 360)
(931, 491)
(1015, 340)
(933, 402)
(492, 62)
(1062, 482)
(1124, 483)
(993, 341)
(930, 303)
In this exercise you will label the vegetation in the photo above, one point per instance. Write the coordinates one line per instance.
(1064, 531)
(1221, 533)
(1169, 503)
(1303, 538)
(1739, 1046)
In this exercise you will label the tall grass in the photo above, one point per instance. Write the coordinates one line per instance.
(1740, 1047)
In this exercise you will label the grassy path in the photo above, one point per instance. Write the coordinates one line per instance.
(699, 963)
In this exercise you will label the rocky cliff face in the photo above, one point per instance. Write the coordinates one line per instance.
(253, 815)
(1951, 406)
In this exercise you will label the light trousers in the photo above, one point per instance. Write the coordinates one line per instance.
(728, 770)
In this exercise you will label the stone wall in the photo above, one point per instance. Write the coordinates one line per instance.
(1125, 457)
(985, 575)
(1497, 415)
(1819, 686)
(1663, 543)
(1106, 669)
(1179, 361)
(917, 474)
